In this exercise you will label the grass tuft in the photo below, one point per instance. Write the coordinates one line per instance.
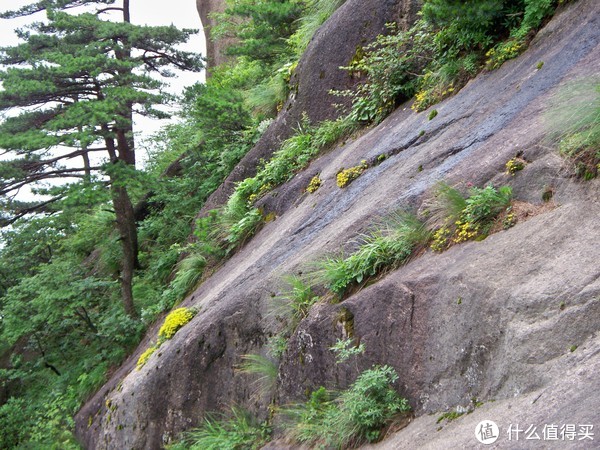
(239, 431)
(262, 366)
(386, 247)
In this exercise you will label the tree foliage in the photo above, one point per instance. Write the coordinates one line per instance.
(77, 80)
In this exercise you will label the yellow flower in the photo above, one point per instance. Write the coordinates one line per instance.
(346, 176)
(465, 231)
(145, 356)
(315, 183)
(174, 321)
(440, 239)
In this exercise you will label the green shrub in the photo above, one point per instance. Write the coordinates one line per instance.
(390, 65)
(238, 432)
(277, 345)
(15, 422)
(483, 205)
(441, 52)
(344, 349)
(356, 416)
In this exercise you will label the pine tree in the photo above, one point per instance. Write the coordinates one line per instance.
(70, 90)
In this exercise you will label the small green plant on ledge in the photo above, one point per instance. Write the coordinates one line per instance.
(449, 416)
(344, 349)
(347, 176)
(355, 417)
(296, 300)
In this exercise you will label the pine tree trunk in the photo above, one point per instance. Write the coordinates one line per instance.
(128, 236)
(125, 217)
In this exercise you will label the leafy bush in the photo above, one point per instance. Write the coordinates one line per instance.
(389, 65)
(346, 348)
(239, 432)
(356, 416)
(441, 52)
(483, 205)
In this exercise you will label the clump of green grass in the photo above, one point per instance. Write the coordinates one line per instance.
(449, 416)
(238, 219)
(315, 14)
(295, 302)
(293, 156)
(264, 368)
(189, 273)
(239, 431)
(267, 98)
(445, 205)
(574, 121)
(355, 417)
(385, 248)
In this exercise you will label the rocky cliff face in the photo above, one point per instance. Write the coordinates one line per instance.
(491, 320)
(215, 50)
